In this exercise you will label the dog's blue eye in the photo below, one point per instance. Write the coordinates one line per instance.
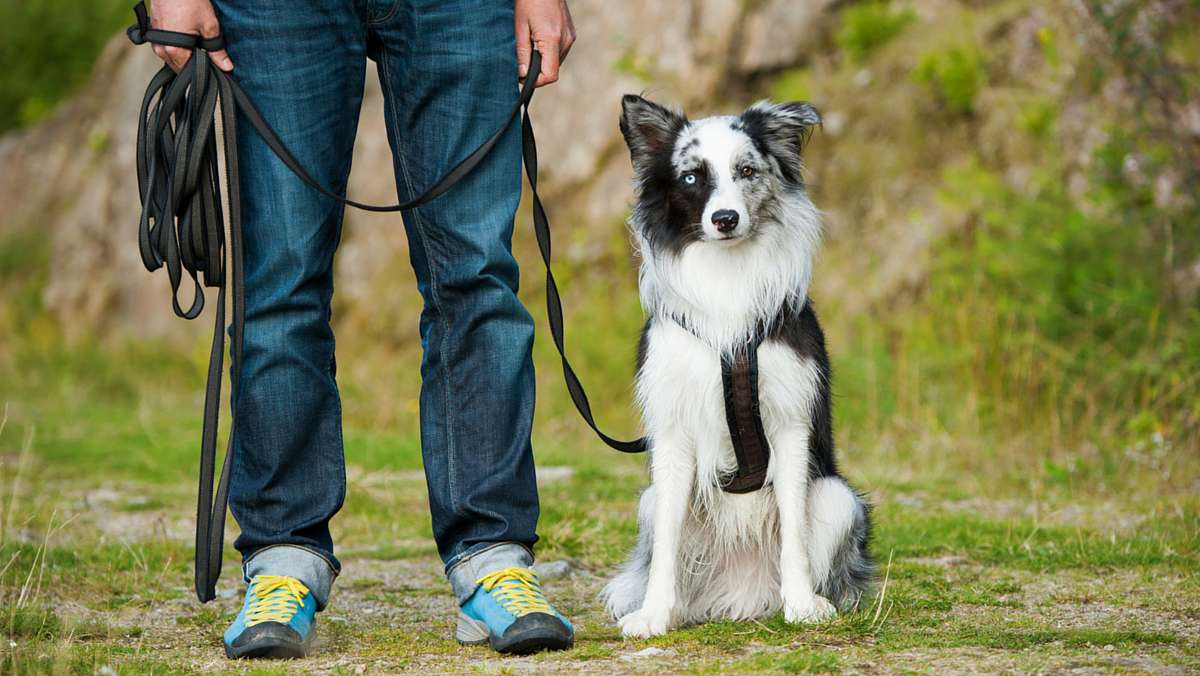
(689, 178)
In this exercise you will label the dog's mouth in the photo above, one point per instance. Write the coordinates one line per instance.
(729, 238)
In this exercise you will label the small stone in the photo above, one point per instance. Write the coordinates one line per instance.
(1110, 647)
(555, 473)
(549, 570)
(647, 652)
(909, 501)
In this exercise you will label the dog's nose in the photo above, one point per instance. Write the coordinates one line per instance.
(725, 220)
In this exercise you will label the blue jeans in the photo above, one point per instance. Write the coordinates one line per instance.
(448, 71)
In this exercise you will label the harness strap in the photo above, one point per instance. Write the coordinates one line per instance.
(739, 376)
(182, 228)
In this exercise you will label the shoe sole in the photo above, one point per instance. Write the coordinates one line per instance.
(471, 632)
(269, 648)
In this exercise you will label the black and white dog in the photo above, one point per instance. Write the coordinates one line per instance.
(727, 235)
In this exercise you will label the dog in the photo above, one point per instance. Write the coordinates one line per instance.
(726, 234)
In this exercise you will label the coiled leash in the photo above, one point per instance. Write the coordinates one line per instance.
(182, 229)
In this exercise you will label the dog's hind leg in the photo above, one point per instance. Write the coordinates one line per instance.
(839, 528)
(625, 592)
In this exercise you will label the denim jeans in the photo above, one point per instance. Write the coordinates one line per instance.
(448, 74)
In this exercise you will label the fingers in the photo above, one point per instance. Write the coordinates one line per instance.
(524, 48)
(192, 17)
(551, 58)
(568, 37)
(212, 29)
(175, 57)
(221, 60)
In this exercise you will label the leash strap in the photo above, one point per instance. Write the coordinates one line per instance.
(182, 228)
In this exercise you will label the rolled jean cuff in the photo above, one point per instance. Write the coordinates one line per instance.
(302, 563)
(464, 572)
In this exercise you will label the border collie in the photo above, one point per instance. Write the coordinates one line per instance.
(727, 235)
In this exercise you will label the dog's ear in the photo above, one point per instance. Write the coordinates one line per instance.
(649, 128)
(783, 129)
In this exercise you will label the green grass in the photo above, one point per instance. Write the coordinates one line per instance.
(78, 597)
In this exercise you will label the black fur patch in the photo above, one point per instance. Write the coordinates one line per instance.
(800, 330)
(668, 209)
(780, 130)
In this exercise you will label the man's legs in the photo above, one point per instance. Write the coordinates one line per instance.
(303, 64)
(449, 75)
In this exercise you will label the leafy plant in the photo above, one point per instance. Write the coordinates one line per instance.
(868, 26)
(47, 48)
(955, 76)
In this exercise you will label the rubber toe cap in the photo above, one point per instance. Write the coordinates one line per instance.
(533, 633)
(272, 640)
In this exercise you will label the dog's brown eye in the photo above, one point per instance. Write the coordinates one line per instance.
(747, 171)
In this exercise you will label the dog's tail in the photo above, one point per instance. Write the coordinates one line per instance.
(839, 532)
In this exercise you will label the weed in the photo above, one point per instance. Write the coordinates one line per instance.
(955, 76)
(870, 25)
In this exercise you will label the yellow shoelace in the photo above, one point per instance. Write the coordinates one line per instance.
(276, 598)
(517, 589)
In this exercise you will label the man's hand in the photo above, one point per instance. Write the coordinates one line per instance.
(544, 25)
(187, 16)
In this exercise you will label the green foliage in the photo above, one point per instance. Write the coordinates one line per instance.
(29, 622)
(634, 64)
(1073, 287)
(792, 85)
(954, 75)
(870, 25)
(47, 48)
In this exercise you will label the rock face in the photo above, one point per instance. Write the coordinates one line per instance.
(72, 177)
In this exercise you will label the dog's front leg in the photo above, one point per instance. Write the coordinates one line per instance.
(800, 601)
(672, 471)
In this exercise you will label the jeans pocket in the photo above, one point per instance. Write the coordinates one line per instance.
(376, 17)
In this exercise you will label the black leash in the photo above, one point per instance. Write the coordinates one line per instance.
(182, 228)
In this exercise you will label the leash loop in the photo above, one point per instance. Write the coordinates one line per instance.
(142, 32)
(182, 228)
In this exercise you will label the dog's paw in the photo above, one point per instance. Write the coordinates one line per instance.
(645, 623)
(809, 610)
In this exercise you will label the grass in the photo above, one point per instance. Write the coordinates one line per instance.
(98, 563)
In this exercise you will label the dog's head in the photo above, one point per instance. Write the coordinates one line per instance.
(717, 180)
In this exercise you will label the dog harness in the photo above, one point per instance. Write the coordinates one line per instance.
(739, 377)
(182, 228)
(743, 414)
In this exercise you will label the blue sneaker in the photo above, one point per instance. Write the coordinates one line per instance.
(276, 620)
(509, 612)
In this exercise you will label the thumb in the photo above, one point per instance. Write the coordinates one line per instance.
(524, 48)
(221, 60)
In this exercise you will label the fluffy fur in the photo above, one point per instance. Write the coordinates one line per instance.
(727, 235)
